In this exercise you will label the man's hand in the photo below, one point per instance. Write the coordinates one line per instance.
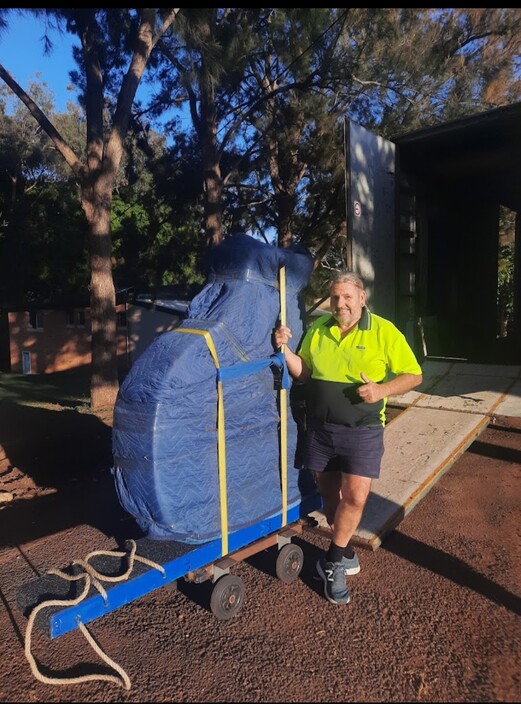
(281, 335)
(296, 365)
(370, 392)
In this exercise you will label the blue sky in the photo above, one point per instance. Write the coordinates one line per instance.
(22, 54)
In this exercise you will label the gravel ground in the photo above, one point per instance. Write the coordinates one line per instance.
(434, 616)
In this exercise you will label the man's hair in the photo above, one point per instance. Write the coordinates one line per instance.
(344, 276)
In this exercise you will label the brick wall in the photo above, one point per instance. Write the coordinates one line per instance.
(57, 343)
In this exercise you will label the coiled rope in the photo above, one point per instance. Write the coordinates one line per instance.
(92, 578)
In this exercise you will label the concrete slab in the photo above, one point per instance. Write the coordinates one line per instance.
(454, 404)
(509, 371)
(511, 404)
(466, 392)
(432, 372)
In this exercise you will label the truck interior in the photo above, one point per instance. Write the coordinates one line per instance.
(458, 256)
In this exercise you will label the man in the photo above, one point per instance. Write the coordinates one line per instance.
(353, 360)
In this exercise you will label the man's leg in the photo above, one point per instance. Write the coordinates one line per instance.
(335, 565)
(353, 497)
(328, 484)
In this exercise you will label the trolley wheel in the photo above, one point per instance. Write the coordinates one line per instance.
(289, 562)
(227, 596)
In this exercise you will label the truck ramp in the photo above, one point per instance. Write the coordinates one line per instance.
(454, 404)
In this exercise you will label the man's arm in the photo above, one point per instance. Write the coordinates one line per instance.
(296, 365)
(371, 392)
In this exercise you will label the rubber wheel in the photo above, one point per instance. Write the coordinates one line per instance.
(289, 562)
(227, 596)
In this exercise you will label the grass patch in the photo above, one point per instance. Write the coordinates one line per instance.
(69, 389)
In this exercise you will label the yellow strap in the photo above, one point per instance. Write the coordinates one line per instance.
(221, 438)
(283, 409)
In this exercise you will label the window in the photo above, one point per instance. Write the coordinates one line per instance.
(75, 318)
(36, 319)
(122, 319)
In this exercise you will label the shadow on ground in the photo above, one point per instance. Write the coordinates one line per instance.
(64, 457)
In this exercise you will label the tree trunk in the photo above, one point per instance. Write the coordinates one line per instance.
(104, 370)
(213, 204)
(213, 182)
(97, 179)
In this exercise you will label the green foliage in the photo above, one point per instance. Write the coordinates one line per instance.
(268, 90)
(505, 284)
(43, 236)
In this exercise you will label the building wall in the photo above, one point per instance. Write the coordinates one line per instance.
(55, 345)
(145, 322)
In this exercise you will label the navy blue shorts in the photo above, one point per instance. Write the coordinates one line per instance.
(358, 450)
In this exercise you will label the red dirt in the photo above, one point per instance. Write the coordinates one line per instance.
(435, 614)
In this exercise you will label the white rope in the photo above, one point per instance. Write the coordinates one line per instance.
(92, 578)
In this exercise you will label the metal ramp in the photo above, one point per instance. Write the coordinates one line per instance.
(453, 405)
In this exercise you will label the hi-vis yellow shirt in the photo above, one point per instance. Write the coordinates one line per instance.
(374, 347)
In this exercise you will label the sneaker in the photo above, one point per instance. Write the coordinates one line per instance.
(333, 575)
(351, 565)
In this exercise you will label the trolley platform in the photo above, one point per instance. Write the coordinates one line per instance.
(194, 563)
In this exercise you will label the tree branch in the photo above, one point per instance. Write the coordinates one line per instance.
(68, 154)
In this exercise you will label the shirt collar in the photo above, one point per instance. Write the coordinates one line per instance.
(365, 321)
(363, 324)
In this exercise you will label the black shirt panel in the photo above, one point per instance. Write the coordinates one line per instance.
(337, 402)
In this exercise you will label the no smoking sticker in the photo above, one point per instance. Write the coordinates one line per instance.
(357, 208)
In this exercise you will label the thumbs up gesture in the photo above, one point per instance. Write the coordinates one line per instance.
(369, 391)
